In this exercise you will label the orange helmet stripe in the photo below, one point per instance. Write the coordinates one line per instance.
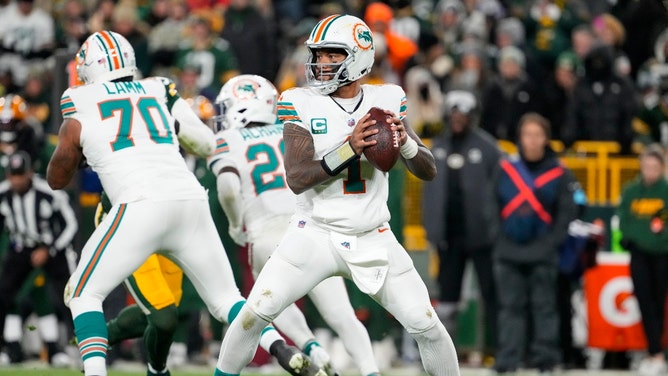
(109, 44)
(320, 32)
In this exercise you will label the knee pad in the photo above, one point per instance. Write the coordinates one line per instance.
(432, 334)
(418, 320)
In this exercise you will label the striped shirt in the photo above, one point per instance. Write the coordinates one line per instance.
(41, 216)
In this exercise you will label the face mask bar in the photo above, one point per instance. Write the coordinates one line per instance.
(220, 122)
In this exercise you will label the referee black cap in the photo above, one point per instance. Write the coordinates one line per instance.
(19, 163)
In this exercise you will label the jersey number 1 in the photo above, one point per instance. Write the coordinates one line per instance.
(126, 108)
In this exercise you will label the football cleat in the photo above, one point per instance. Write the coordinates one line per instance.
(294, 361)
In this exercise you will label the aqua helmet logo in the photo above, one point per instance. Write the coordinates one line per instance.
(246, 89)
(362, 36)
(81, 55)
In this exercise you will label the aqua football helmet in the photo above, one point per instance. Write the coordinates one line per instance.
(105, 56)
(245, 99)
(349, 34)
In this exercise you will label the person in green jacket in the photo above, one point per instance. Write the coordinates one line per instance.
(643, 212)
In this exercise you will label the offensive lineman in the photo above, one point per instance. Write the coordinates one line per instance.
(252, 191)
(340, 227)
(125, 130)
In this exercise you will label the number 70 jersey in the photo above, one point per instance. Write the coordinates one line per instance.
(257, 154)
(129, 140)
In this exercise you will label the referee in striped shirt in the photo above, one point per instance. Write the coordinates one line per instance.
(41, 225)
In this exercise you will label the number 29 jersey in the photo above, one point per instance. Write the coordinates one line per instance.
(257, 154)
(129, 140)
(354, 201)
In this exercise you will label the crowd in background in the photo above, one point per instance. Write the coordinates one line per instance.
(596, 69)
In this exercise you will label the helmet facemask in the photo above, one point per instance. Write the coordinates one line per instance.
(327, 77)
(220, 122)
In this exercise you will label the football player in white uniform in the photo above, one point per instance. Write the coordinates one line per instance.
(126, 132)
(253, 192)
(340, 226)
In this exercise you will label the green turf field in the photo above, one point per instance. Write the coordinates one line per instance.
(42, 371)
(71, 372)
(25, 371)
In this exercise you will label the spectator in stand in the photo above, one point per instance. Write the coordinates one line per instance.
(611, 32)
(102, 14)
(244, 26)
(210, 10)
(400, 49)
(406, 22)
(423, 93)
(582, 41)
(511, 94)
(448, 23)
(549, 28)
(643, 212)
(212, 54)
(603, 103)
(558, 91)
(534, 194)
(37, 97)
(458, 215)
(27, 38)
(643, 21)
(471, 72)
(165, 37)
(560, 85)
(158, 12)
(71, 29)
(651, 124)
(510, 32)
(292, 71)
(124, 21)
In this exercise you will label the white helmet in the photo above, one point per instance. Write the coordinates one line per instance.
(105, 56)
(245, 99)
(345, 32)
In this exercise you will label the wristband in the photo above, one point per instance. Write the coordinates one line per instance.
(409, 149)
(338, 159)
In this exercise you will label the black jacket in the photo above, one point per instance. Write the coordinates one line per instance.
(481, 156)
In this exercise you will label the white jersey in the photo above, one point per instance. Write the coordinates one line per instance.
(356, 200)
(257, 153)
(128, 138)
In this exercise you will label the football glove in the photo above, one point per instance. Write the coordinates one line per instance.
(238, 235)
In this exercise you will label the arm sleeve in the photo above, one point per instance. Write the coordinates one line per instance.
(229, 192)
(193, 134)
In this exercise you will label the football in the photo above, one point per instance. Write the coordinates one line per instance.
(384, 154)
